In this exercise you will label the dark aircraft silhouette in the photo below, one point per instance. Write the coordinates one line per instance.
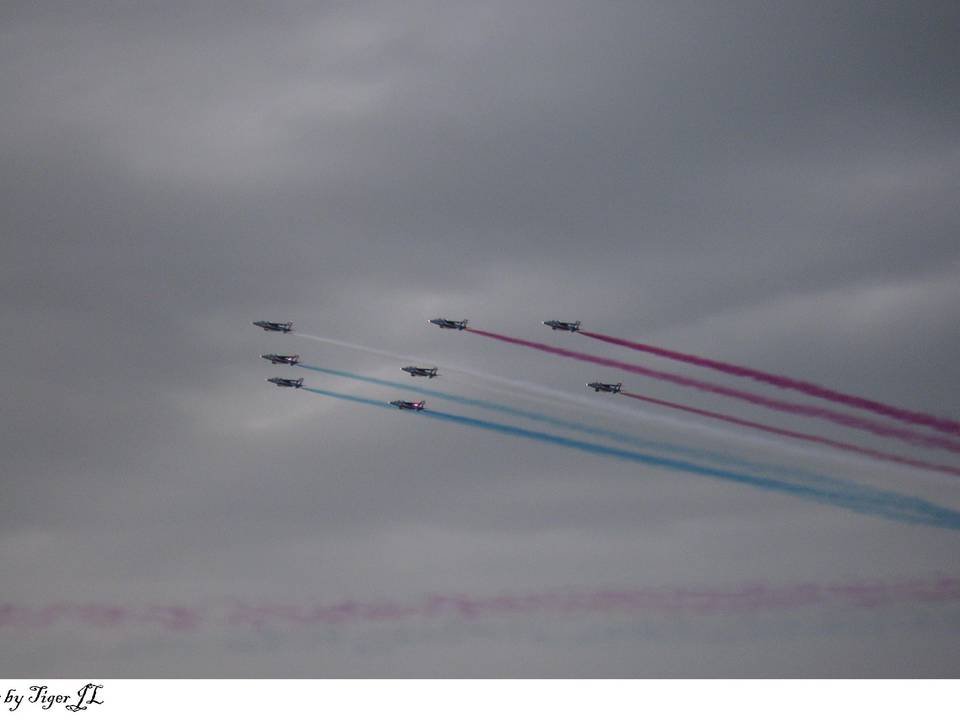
(561, 325)
(274, 326)
(407, 405)
(450, 324)
(282, 359)
(286, 382)
(605, 387)
(420, 371)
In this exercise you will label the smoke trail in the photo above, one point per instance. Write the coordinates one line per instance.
(782, 381)
(546, 394)
(795, 408)
(743, 598)
(890, 505)
(364, 348)
(532, 390)
(541, 393)
(801, 436)
(351, 398)
(585, 428)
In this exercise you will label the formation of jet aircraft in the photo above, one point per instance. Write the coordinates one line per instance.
(420, 371)
(274, 326)
(413, 370)
(562, 325)
(282, 359)
(605, 387)
(286, 382)
(450, 324)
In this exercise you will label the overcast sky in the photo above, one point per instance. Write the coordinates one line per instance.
(770, 183)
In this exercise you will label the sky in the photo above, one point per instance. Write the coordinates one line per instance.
(767, 183)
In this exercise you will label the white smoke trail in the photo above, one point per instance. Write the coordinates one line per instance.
(532, 391)
(541, 393)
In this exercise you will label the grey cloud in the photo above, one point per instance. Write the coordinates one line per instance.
(771, 183)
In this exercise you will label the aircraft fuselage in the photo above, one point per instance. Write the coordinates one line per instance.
(562, 325)
(274, 326)
(450, 324)
(604, 387)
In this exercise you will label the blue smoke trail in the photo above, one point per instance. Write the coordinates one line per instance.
(619, 437)
(890, 505)
(351, 398)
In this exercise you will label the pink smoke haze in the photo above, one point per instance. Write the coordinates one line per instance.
(748, 598)
(795, 408)
(179, 618)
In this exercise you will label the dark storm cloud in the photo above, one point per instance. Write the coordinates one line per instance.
(749, 180)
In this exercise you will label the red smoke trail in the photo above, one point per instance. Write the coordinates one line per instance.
(745, 598)
(801, 436)
(781, 381)
(807, 410)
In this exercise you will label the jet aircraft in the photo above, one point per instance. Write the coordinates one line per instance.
(286, 382)
(420, 371)
(282, 359)
(407, 405)
(561, 325)
(605, 387)
(274, 326)
(450, 324)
